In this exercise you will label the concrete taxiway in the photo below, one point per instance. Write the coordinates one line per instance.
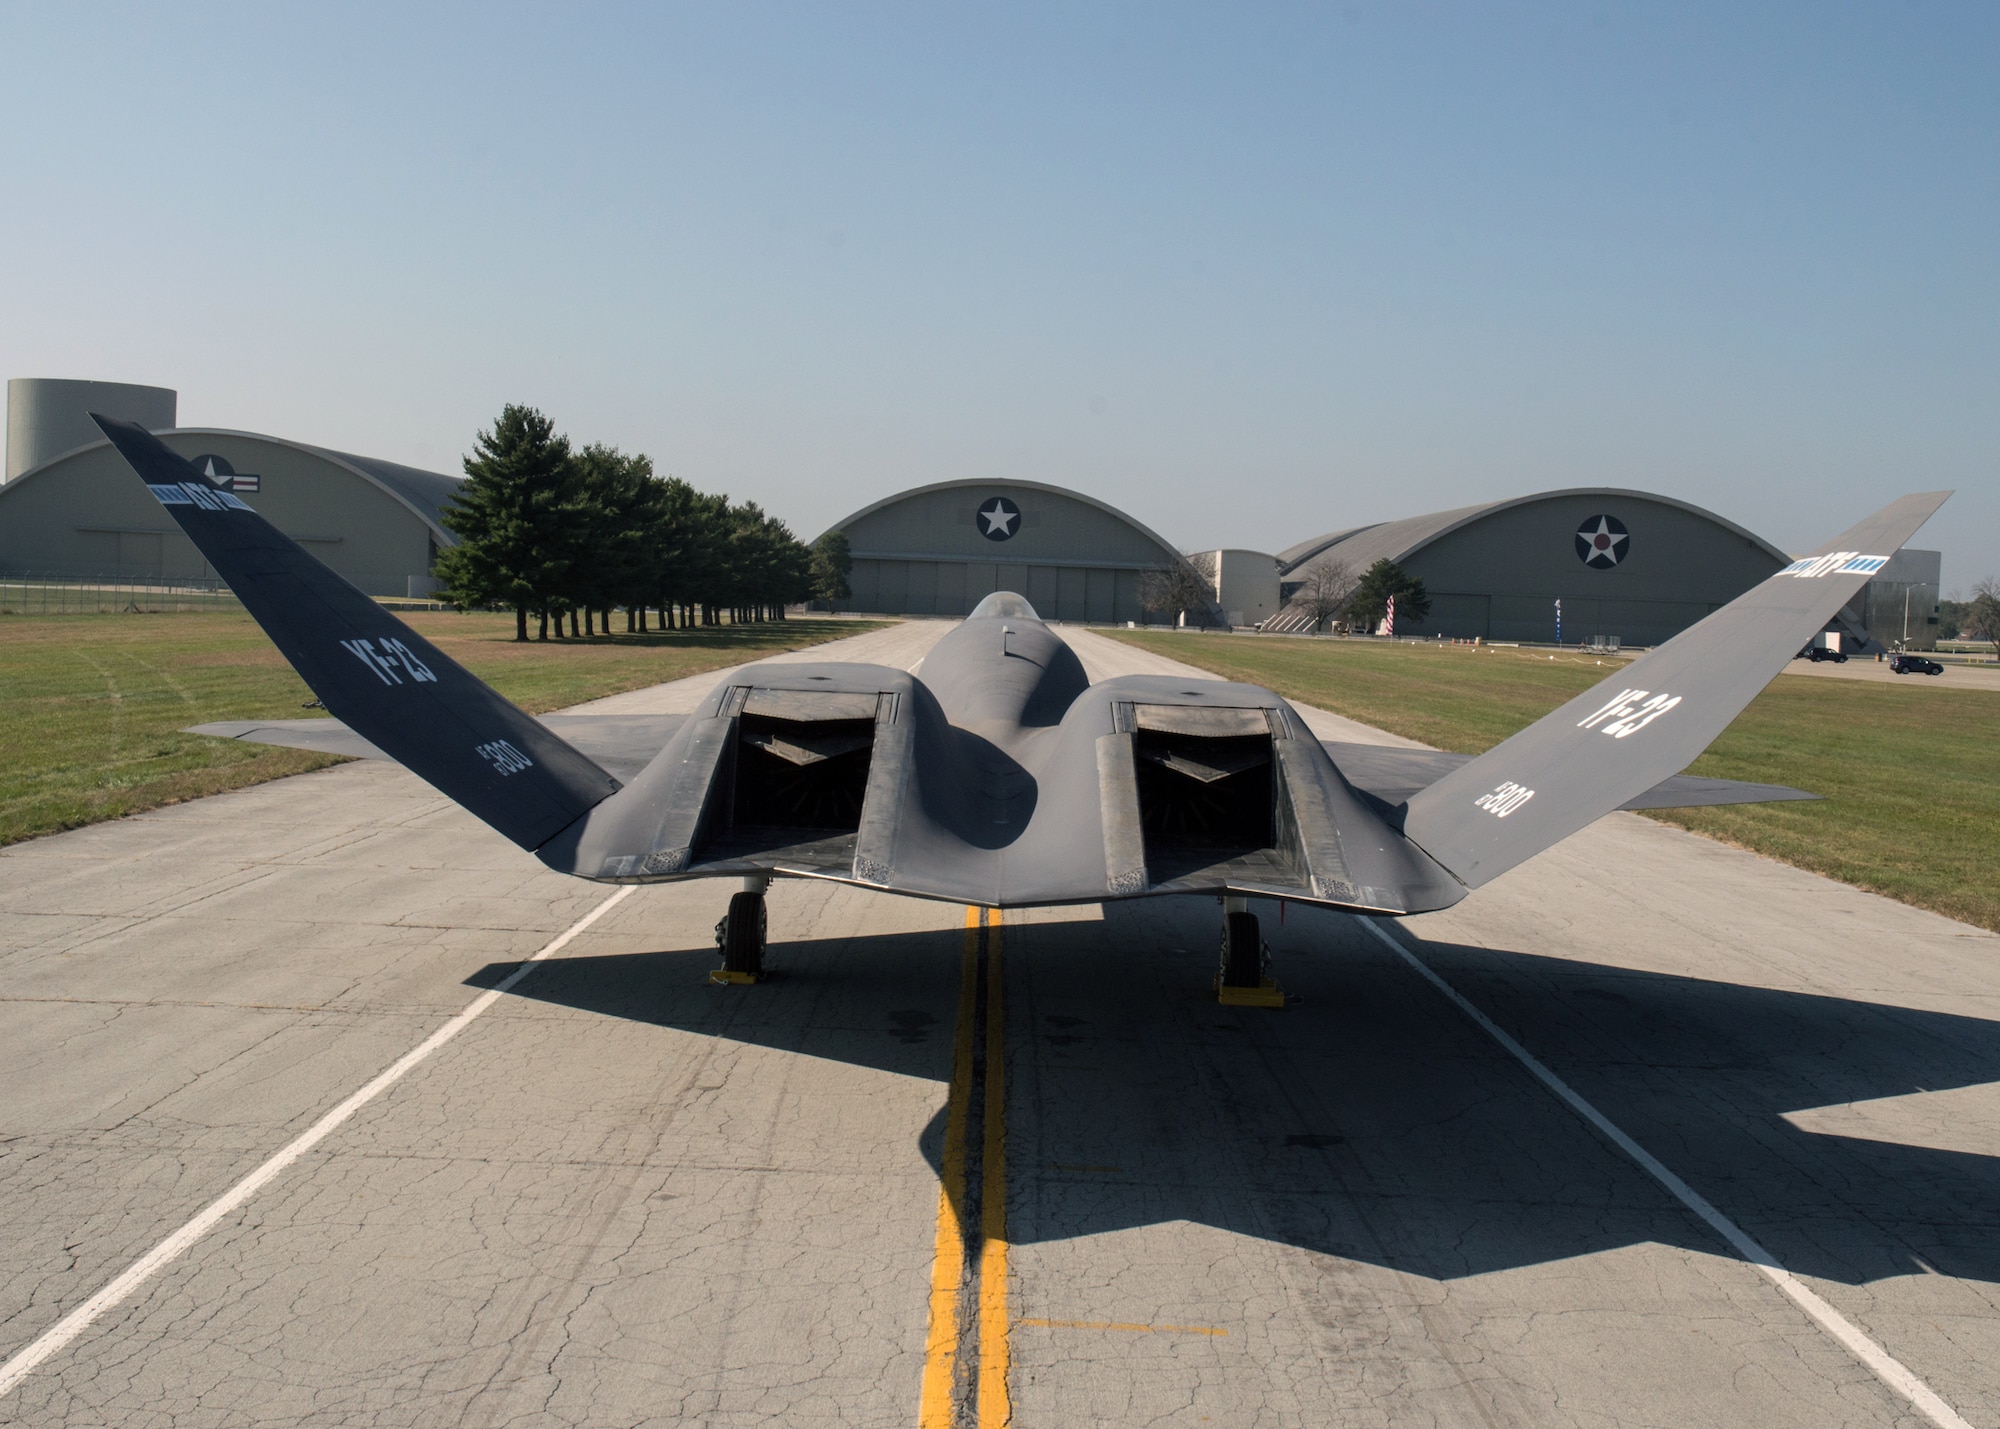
(619, 1195)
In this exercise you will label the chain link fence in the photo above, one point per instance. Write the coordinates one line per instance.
(31, 594)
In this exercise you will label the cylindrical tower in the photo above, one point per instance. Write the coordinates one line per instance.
(47, 416)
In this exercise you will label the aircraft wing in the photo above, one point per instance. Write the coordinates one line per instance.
(1394, 775)
(621, 744)
(321, 736)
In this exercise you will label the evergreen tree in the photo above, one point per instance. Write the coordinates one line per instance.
(832, 564)
(750, 561)
(575, 534)
(623, 500)
(792, 570)
(709, 577)
(679, 557)
(515, 517)
(778, 565)
(1370, 602)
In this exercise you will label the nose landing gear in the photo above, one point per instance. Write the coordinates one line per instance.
(740, 934)
(1242, 980)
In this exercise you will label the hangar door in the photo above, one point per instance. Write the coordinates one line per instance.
(953, 588)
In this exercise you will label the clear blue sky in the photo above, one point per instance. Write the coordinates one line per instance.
(1250, 273)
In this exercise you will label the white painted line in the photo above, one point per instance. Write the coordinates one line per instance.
(153, 1261)
(1886, 1367)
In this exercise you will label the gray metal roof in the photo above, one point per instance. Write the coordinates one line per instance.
(1291, 559)
(1362, 546)
(982, 483)
(424, 493)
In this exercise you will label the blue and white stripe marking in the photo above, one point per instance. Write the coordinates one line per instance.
(187, 493)
(1837, 563)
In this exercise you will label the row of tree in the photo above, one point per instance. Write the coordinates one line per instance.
(573, 535)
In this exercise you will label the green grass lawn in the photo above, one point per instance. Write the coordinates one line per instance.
(1910, 774)
(92, 705)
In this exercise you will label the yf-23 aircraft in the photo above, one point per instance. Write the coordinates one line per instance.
(997, 774)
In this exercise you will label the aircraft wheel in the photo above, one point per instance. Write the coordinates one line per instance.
(1242, 951)
(743, 935)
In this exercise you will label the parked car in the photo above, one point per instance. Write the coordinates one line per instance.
(1914, 665)
(1817, 653)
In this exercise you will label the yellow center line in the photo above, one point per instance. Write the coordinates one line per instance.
(996, 1409)
(934, 1409)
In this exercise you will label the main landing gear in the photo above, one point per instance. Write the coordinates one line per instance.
(740, 934)
(1242, 980)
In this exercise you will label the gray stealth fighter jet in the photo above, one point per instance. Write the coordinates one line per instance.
(998, 774)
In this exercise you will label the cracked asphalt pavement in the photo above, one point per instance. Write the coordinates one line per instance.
(624, 1196)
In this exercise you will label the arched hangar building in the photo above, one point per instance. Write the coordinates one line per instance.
(1629, 564)
(938, 550)
(71, 508)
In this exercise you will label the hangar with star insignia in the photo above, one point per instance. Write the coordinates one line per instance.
(941, 549)
(1634, 565)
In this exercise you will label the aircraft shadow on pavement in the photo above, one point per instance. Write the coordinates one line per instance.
(1373, 1121)
(884, 1001)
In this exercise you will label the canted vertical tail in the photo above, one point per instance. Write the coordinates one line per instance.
(374, 673)
(1651, 719)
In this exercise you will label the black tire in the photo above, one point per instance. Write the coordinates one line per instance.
(743, 935)
(1242, 951)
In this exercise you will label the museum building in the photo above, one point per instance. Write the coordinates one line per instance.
(70, 508)
(940, 549)
(1603, 561)
(1588, 563)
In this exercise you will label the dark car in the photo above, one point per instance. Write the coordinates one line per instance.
(1914, 665)
(1817, 653)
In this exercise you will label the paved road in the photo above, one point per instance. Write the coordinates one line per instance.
(1955, 676)
(623, 1196)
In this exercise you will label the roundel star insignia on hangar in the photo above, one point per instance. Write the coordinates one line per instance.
(941, 549)
(1497, 570)
(1601, 542)
(998, 519)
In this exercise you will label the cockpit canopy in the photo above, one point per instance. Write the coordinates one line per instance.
(1003, 605)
